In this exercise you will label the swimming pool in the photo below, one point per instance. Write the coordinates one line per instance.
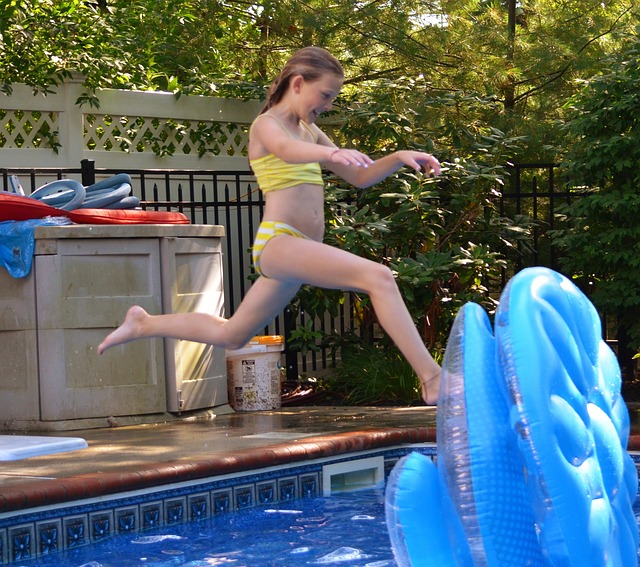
(155, 519)
(345, 529)
(47, 530)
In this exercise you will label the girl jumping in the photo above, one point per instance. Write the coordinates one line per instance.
(286, 152)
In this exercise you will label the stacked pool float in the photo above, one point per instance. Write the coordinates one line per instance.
(532, 467)
(108, 201)
(69, 194)
(62, 202)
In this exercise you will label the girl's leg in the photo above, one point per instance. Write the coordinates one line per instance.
(324, 266)
(314, 263)
(265, 299)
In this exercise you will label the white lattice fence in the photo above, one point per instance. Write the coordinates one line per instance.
(28, 129)
(164, 136)
(141, 130)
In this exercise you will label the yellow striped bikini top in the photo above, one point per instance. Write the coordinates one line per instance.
(274, 174)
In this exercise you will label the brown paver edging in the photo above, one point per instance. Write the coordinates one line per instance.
(634, 443)
(33, 494)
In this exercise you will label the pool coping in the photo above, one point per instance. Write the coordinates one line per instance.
(47, 492)
(58, 491)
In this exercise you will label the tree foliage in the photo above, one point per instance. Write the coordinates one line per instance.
(532, 69)
(207, 46)
(602, 235)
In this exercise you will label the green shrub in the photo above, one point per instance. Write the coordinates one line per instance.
(372, 375)
(444, 239)
(599, 234)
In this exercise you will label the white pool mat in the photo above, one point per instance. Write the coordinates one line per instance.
(15, 447)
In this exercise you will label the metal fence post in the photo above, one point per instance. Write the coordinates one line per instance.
(291, 358)
(88, 171)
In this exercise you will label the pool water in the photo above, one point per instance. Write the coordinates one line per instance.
(344, 529)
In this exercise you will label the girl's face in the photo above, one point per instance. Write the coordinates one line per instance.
(317, 96)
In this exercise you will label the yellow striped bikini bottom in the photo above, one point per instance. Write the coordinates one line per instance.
(266, 231)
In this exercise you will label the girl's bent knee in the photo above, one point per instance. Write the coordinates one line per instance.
(230, 337)
(234, 345)
(380, 281)
(385, 278)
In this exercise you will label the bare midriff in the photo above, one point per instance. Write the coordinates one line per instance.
(301, 206)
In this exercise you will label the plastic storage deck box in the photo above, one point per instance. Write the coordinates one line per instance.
(83, 280)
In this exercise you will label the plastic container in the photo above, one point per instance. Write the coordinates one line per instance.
(253, 374)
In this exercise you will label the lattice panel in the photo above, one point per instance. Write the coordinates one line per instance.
(161, 136)
(28, 129)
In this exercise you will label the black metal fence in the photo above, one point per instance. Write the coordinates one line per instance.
(535, 190)
(231, 199)
(532, 190)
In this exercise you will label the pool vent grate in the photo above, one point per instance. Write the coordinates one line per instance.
(352, 475)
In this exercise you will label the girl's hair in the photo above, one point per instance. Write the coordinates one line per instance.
(311, 63)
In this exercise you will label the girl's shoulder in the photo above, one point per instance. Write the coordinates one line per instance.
(260, 119)
(270, 122)
(271, 118)
(306, 132)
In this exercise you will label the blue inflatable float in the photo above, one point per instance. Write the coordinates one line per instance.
(532, 467)
(70, 195)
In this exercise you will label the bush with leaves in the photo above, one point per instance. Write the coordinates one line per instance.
(601, 233)
(443, 238)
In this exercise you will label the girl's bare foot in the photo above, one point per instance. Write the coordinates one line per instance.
(431, 389)
(129, 330)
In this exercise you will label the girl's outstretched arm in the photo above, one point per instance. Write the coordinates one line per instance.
(383, 167)
(341, 163)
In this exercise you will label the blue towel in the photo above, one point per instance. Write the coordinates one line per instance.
(17, 241)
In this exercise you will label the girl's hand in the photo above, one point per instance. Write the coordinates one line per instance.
(419, 160)
(350, 157)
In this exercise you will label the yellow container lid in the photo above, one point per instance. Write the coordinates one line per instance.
(266, 340)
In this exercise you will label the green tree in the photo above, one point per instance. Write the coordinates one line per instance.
(525, 54)
(174, 45)
(602, 235)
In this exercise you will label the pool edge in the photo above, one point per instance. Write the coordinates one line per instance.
(64, 490)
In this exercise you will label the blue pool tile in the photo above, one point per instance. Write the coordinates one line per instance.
(389, 465)
(266, 492)
(287, 488)
(199, 506)
(150, 515)
(309, 485)
(3, 547)
(76, 531)
(222, 501)
(101, 524)
(175, 510)
(244, 496)
(21, 542)
(126, 519)
(48, 537)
